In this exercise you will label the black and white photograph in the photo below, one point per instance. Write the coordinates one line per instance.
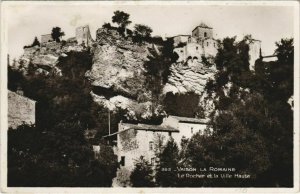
(149, 94)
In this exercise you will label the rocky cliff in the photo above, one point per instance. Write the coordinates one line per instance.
(117, 74)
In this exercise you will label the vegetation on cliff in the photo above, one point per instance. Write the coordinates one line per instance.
(247, 129)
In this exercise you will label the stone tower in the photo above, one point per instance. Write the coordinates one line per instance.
(202, 32)
(83, 35)
(254, 52)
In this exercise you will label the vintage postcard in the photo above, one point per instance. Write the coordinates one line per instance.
(150, 96)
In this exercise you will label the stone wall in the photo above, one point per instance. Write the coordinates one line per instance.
(83, 35)
(200, 33)
(254, 52)
(20, 110)
(46, 38)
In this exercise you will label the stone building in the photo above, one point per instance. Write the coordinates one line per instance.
(136, 140)
(21, 110)
(186, 126)
(133, 141)
(200, 44)
(254, 52)
(202, 32)
(83, 35)
(46, 38)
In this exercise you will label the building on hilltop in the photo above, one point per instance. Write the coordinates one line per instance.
(83, 35)
(46, 38)
(21, 110)
(202, 44)
(193, 47)
(254, 52)
(202, 32)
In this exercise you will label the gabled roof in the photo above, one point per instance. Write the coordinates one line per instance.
(190, 120)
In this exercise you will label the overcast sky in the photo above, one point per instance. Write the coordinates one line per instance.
(266, 23)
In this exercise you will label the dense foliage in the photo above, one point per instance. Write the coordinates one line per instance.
(248, 131)
(57, 34)
(121, 18)
(142, 174)
(55, 152)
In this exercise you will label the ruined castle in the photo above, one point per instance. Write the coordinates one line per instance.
(82, 37)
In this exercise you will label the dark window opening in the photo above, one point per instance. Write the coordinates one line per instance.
(205, 34)
(207, 43)
(122, 162)
(192, 131)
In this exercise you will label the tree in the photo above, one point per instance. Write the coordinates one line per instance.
(57, 34)
(142, 176)
(121, 18)
(36, 42)
(55, 151)
(142, 31)
(168, 159)
(249, 108)
(106, 25)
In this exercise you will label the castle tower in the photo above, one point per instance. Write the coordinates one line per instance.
(254, 52)
(83, 35)
(202, 32)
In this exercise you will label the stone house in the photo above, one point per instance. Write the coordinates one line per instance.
(21, 110)
(133, 141)
(186, 126)
(136, 140)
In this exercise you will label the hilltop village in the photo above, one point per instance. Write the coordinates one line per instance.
(117, 77)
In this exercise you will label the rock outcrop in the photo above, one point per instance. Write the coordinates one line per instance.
(117, 74)
(189, 77)
(118, 67)
(46, 57)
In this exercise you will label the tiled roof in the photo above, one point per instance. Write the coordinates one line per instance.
(145, 127)
(190, 120)
(149, 127)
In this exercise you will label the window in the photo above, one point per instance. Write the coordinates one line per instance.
(207, 43)
(151, 145)
(196, 48)
(192, 130)
(205, 34)
(170, 133)
(122, 162)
